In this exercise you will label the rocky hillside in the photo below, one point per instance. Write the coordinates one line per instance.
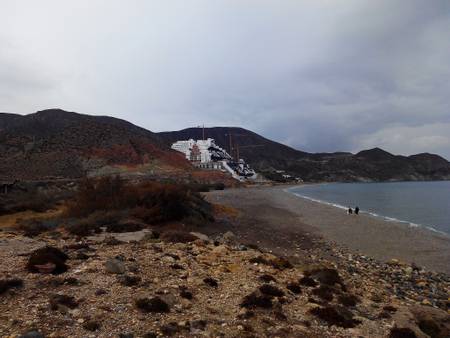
(56, 143)
(368, 165)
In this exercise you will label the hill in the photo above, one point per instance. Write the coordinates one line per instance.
(368, 165)
(56, 143)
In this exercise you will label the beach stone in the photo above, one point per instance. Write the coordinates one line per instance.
(201, 236)
(228, 237)
(32, 334)
(115, 266)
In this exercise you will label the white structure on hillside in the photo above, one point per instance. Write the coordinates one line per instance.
(202, 151)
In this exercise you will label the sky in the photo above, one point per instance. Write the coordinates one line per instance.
(318, 75)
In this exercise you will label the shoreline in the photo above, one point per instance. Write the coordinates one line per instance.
(367, 213)
(269, 211)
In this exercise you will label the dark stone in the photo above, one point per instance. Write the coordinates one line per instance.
(294, 288)
(48, 259)
(170, 329)
(335, 315)
(267, 278)
(6, 284)
(154, 304)
(402, 333)
(255, 300)
(129, 280)
(67, 301)
(32, 334)
(91, 325)
(211, 282)
(308, 281)
(271, 290)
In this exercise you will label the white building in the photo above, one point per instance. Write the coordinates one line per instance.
(209, 150)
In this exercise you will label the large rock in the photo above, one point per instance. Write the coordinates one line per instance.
(47, 260)
(113, 265)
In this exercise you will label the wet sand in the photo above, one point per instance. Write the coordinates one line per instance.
(281, 220)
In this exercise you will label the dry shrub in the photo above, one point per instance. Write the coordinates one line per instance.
(92, 223)
(152, 202)
(22, 201)
(34, 227)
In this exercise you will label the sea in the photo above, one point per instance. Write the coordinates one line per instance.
(418, 204)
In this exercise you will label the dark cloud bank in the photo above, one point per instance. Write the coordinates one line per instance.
(317, 75)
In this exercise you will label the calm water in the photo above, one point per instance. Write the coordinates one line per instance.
(417, 203)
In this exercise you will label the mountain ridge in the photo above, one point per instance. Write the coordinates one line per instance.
(369, 165)
(56, 143)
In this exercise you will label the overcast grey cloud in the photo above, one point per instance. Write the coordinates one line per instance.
(320, 75)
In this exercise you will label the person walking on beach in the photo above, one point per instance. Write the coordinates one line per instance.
(356, 210)
(350, 211)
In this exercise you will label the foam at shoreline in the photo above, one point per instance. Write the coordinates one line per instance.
(372, 214)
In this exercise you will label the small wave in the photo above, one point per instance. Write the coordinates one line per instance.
(373, 214)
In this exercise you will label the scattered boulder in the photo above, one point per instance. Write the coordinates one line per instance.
(126, 335)
(186, 294)
(326, 276)
(281, 263)
(58, 300)
(402, 333)
(6, 284)
(211, 282)
(307, 281)
(257, 300)
(129, 280)
(271, 290)
(294, 287)
(170, 329)
(324, 292)
(154, 304)
(267, 278)
(228, 238)
(32, 334)
(115, 266)
(47, 260)
(335, 315)
(348, 300)
(91, 325)
(201, 236)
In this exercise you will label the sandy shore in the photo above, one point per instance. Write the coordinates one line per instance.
(283, 221)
